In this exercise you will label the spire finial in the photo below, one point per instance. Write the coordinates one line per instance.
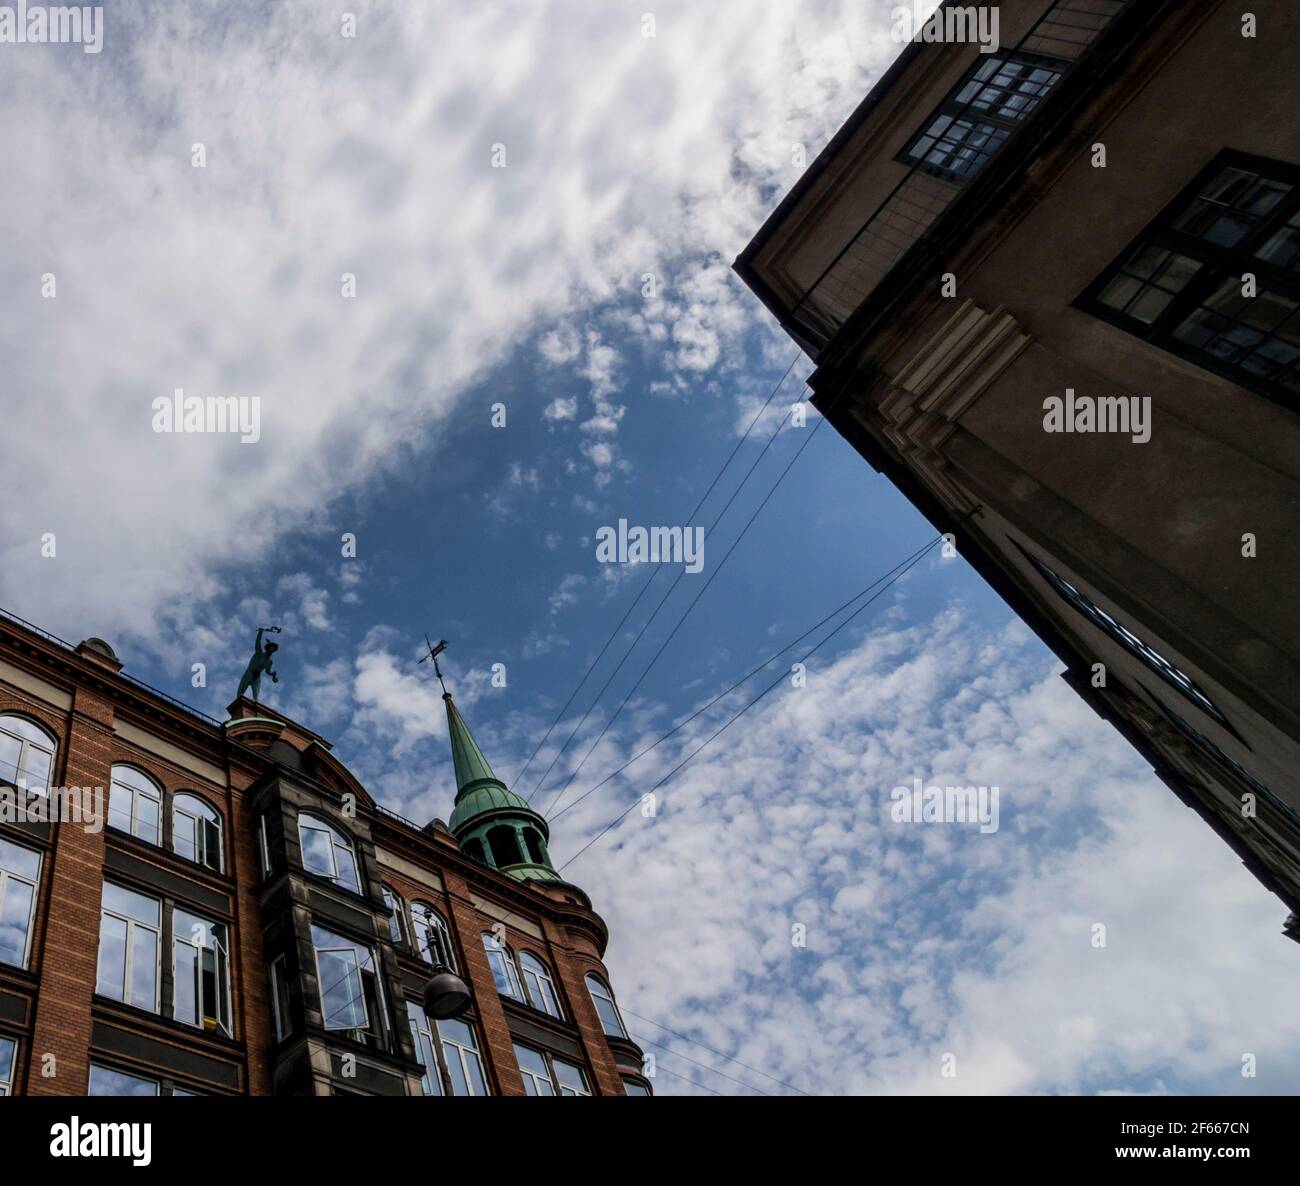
(434, 652)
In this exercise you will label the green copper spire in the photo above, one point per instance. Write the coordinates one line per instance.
(490, 822)
(471, 765)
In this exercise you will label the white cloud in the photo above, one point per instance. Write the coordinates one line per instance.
(328, 156)
(561, 408)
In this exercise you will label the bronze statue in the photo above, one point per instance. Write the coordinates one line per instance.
(260, 662)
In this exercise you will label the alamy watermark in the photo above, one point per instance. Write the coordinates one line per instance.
(969, 24)
(920, 804)
(1130, 414)
(61, 805)
(651, 545)
(40, 24)
(240, 414)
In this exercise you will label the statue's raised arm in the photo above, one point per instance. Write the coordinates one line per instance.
(260, 662)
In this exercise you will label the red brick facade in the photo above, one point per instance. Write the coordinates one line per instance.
(252, 770)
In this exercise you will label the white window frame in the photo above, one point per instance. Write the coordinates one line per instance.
(25, 745)
(540, 977)
(222, 957)
(564, 1089)
(7, 1084)
(5, 878)
(425, 1038)
(264, 847)
(129, 961)
(533, 1076)
(495, 949)
(600, 991)
(90, 1075)
(200, 842)
(463, 1053)
(278, 983)
(396, 914)
(433, 921)
(337, 841)
(151, 791)
(352, 947)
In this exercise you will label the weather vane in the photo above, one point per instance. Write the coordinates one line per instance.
(434, 652)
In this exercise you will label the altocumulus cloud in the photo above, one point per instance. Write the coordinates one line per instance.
(931, 940)
(369, 156)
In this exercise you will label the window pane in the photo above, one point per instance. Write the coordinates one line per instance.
(15, 918)
(317, 851)
(131, 904)
(634, 1088)
(106, 1082)
(347, 874)
(144, 968)
(119, 807)
(112, 958)
(183, 838)
(186, 1007)
(23, 862)
(569, 1077)
(11, 749)
(146, 817)
(342, 995)
(210, 853)
(7, 1048)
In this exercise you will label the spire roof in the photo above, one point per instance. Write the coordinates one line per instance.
(485, 805)
(471, 766)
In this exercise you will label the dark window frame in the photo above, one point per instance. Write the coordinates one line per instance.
(1218, 265)
(1126, 639)
(958, 109)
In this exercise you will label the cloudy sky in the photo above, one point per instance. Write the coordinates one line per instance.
(537, 205)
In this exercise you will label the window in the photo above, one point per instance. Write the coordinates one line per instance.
(8, 1063)
(1181, 284)
(26, 754)
(281, 1023)
(20, 874)
(1128, 640)
(135, 803)
(504, 973)
(1214, 753)
(201, 970)
(396, 911)
(537, 979)
(610, 1020)
(263, 848)
(504, 844)
(448, 1051)
(544, 1074)
(130, 941)
(973, 123)
(473, 849)
(327, 853)
(104, 1081)
(432, 938)
(196, 831)
(351, 994)
(632, 1087)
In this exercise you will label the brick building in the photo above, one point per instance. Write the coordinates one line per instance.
(248, 921)
(1011, 251)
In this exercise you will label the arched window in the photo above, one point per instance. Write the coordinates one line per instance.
(432, 938)
(610, 1019)
(327, 853)
(135, 804)
(396, 915)
(533, 840)
(504, 973)
(504, 844)
(541, 988)
(474, 850)
(196, 831)
(26, 754)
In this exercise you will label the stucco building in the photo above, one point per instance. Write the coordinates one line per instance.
(1053, 293)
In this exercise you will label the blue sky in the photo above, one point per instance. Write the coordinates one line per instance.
(626, 156)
